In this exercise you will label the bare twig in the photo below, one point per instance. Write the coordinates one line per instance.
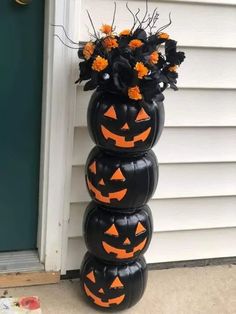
(165, 26)
(55, 35)
(151, 18)
(89, 16)
(146, 12)
(65, 33)
(114, 16)
(127, 6)
(137, 18)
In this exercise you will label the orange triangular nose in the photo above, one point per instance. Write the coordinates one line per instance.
(127, 241)
(101, 290)
(101, 182)
(125, 127)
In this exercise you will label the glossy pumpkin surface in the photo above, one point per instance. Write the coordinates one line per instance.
(117, 237)
(120, 181)
(113, 287)
(121, 125)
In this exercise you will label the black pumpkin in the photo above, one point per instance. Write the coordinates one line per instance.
(122, 125)
(113, 287)
(119, 181)
(117, 237)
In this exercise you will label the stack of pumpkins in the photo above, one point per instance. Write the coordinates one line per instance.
(121, 177)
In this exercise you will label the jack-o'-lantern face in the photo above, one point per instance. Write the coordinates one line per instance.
(123, 125)
(113, 180)
(111, 286)
(115, 236)
(99, 296)
(116, 176)
(128, 134)
(127, 250)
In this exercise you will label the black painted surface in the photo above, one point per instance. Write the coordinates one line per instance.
(135, 186)
(113, 287)
(132, 127)
(117, 237)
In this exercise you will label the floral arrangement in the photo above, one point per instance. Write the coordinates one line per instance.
(140, 62)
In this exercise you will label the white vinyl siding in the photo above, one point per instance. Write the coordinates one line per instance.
(177, 145)
(194, 24)
(195, 201)
(173, 246)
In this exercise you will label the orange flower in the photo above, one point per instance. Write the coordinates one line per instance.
(134, 93)
(135, 43)
(109, 43)
(125, 32)
(163, 36)
(173, 68)
(154, 57)
(99, 64)
(106, 29)
(141, 69)
(88, 50)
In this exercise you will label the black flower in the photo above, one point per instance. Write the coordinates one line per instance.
(131, 60)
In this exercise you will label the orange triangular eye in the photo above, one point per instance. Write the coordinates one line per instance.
(110, 113)
(91, 276)
(118, 175)
(112, 231)
(93, 167)
(142, 115)
(140, 229)
(117, 283)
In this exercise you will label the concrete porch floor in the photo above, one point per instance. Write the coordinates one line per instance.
(200, 290)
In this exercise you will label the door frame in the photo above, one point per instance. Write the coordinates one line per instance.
(57, 132)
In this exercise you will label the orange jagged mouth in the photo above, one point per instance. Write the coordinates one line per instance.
(98, 301)
(121, 253)
(120, 140)
(119, 195)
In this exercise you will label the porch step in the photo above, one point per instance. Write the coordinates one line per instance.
(21, 261)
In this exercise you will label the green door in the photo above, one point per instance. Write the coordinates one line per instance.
(21, 56)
